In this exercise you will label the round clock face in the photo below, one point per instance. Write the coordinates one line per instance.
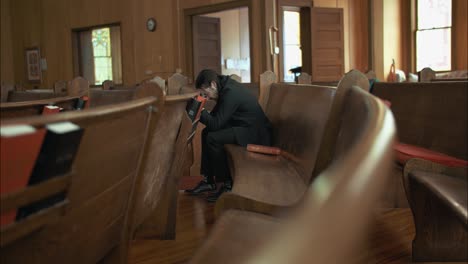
(151, 24)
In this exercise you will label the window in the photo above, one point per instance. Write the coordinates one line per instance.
(433, 35)
(292, 55)
(97, 54)
(102, 55)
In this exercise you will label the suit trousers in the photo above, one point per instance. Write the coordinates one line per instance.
(214, 159)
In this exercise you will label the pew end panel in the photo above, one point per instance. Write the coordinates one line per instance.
(156, 198)
(30, 194)
(106, 167)
(438, 198)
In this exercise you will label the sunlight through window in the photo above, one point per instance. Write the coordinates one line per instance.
(292, 44)
(102, 55)
(433, 35)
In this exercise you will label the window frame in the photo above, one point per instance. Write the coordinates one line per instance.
(415, 30)
(77, 71)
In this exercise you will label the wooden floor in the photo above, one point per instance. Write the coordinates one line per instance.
(389, 242)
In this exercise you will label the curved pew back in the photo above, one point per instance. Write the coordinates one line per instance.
(298, 114)
(35, 107)
(425, 114)
(29, 95)
(156, 192)
(106, 167)
(331, 225)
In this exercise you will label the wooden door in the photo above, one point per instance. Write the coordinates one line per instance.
(327, 44)
(206, 44)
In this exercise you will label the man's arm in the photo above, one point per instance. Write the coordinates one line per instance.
(217, 119)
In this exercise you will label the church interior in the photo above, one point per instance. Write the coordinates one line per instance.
(103, 131)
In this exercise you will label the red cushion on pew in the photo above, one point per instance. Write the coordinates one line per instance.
(404, 152)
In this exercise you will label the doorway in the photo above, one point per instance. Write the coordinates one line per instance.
(218, 38)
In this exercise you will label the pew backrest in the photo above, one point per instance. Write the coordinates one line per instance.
(304, 78)
(430, 115)
(106, 167)
(332, 126)
(60, 87)
(5, 90)
(298, 114)
(107, 84)
(35, 107)
(175, 83)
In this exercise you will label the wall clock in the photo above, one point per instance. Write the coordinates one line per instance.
(151, 24)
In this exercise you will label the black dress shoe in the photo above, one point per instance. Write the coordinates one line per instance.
(227, 187)
(203, 186)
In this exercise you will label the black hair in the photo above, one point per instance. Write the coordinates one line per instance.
(205, 77)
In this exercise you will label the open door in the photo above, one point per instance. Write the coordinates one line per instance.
(206, 44)
(327, 44)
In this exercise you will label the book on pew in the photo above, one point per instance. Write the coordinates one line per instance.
(263, 149)
(50, 109)
(195, 106)
(58, 151)
(82, 103)
(20, 145)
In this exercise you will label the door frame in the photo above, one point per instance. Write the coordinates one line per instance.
(291, 5)
(190, 12)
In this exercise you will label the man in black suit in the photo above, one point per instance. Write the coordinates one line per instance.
(237, 118)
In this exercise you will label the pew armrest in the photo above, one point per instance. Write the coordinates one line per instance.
(438, 199)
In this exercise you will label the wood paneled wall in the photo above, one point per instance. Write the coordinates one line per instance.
(7, 73)
(48, 25)
(359, 35)
(460, 29)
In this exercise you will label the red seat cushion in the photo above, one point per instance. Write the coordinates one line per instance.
(404, 152)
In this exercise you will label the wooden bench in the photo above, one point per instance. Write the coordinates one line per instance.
(155, 205)
(431, 115)
(429, 75)
(107, 165)
(438, 196)
(299, 115)
(35, 107)
(331, 223)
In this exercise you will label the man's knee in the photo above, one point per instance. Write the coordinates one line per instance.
(212, 140)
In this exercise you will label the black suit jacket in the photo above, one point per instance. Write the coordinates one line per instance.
(238, 108)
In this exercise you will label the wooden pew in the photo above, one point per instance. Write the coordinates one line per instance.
(300, 116)
(439, 200)
(331, 224)
(29, 95)
(35, 107)
(175, 83)
(431, 115)
(155, 204)
(5, 89)
(429, 75)
(107, 165)
(73, 88)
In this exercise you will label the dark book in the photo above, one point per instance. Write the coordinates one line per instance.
(195, 106)
(82, 103)
(56, 157)
(20, 145)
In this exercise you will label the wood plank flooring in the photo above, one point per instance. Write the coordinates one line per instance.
(389, 240)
